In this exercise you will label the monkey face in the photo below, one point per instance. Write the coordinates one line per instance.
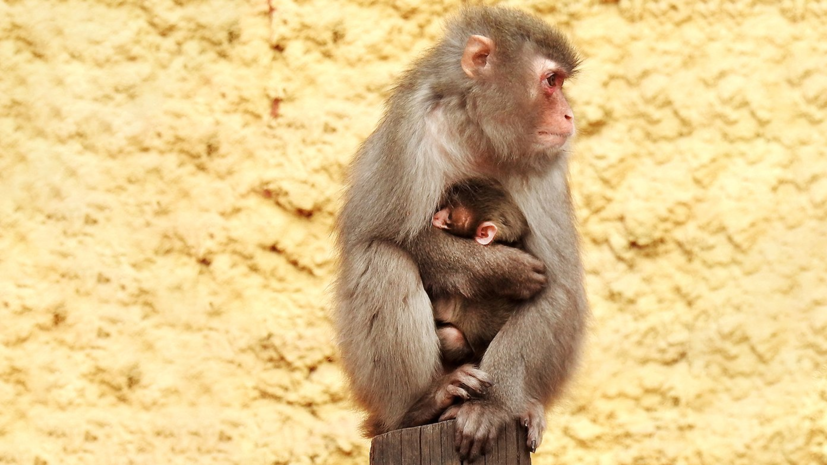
(556, 122)
(517, 99)
(459, 220)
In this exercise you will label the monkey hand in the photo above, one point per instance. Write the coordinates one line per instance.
(464, 383)
(520, 276)
(534, 421)
(479, 422)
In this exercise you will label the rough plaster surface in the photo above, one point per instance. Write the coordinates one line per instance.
(169, 174)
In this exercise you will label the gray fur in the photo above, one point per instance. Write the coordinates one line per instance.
(441, 127)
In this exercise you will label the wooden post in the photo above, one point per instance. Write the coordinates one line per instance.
(434, 445)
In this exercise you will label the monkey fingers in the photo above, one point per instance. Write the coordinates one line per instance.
(450, 413)
(478, 425)
(463, 383)
(468, 376)
(448, 393)
(457, 391)
(525, 276)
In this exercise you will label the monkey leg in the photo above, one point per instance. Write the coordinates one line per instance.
(453, 345)
(385, 328)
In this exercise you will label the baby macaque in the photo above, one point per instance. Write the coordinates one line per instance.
(481, 210)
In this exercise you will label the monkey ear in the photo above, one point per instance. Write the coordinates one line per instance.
(485, 233)
(475, 57)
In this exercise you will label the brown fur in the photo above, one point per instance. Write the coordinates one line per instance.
(476, 321)
(440, 127)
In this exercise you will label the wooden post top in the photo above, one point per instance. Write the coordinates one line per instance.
(434, 445)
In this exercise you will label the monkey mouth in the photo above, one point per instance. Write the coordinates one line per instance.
(556, 134)
(553, 138)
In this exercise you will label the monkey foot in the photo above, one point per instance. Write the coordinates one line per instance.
(479, 423)
(534, 420)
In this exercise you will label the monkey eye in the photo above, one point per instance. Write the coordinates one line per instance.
(551, 80)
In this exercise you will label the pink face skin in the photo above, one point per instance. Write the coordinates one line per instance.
(557, 118)
(557, 121)
(556, 124)
(459, 221)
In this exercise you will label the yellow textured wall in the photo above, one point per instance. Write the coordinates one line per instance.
(169, 173)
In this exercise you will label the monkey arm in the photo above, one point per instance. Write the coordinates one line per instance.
(530, 360)
(453, 265)
(537, 349)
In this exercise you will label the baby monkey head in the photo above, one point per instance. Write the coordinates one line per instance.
(482, 210)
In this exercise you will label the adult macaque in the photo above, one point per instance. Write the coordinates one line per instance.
(481, 210)
(486, 101)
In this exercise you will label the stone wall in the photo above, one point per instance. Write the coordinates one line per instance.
(170, 172)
